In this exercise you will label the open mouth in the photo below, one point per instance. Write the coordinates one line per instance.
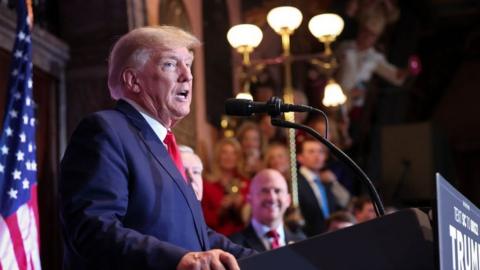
(183, 94)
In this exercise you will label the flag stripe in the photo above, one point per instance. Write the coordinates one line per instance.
(33, 205)
(7, 255)
(16, 237)
(27, 225)
(23, 228)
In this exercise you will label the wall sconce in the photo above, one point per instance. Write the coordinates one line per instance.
(284, 21)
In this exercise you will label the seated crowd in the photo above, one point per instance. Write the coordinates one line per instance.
(247, 196)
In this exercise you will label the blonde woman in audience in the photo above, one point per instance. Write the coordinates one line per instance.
(251, 140)
(225, 189)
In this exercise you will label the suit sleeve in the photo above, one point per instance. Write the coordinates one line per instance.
(94, 192)
(221, 242)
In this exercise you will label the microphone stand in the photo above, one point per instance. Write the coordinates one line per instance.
(379, 209)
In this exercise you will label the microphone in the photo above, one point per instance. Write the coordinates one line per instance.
(274, 107)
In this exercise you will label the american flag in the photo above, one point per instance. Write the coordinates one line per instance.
(19, 239)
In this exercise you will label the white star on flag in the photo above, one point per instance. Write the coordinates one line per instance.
(18, 54)
(28, 101)
(13, 114)
(17, 174)
(25, 183)
(23, 137)
(15, 72)
(34, 165)
(30, 83)
(25, 119)
(2, 169)
(21, 35)
(28, 165)
(32, 122)
(20, 155)
(30, 147)
(9, 132)
(4, 150)
(27, 39)
(12, 193)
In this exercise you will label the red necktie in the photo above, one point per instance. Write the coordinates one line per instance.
(174, 153)
(276, 238)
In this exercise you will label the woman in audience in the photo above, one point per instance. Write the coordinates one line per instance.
(277, 157)
(225, 189)
(251, 141)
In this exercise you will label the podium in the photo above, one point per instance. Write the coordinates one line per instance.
(399, 241)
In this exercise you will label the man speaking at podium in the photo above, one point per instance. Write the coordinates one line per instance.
(125, 200)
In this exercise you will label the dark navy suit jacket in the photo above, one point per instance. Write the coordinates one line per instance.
(249, 238)
(314, 219)
(124, 204)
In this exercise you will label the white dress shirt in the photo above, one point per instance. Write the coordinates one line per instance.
(261, 231)
(158, 128)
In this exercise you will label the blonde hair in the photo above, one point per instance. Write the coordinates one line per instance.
(247, 126)
(135, 48)
(216, 170)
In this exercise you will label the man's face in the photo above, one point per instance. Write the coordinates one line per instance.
(165, 83)
(269, 198)
(193, 167)
(313, 156)
(367, 213)
(366, 38)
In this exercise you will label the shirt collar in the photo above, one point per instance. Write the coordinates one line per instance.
(309, 174)
(261, 229)
(158, 128)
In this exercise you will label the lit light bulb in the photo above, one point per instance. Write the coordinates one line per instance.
(243, 95)
(333, 95)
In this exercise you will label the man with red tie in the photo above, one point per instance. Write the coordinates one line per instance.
(269, 199)
(125, 201)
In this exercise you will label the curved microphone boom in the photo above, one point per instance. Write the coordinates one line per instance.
(274, 107)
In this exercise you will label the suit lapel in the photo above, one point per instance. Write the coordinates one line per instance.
(290, 237)
(252, 239)
(158, 150)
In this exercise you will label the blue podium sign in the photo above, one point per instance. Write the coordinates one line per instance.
(458, 219)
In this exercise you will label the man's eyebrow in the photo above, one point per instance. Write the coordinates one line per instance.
(175, 57)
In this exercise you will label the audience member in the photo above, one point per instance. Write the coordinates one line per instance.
(252, 144)
(277, 156)
(359, 60)
(318, 189)
(193, 169)
(271, 133)
(227, 188)
(341, 170)
(339, 220)
(362, 209)
(269, 199)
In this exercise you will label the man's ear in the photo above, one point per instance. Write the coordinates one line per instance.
(289, 200)
(129, 80)
(299, 158)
